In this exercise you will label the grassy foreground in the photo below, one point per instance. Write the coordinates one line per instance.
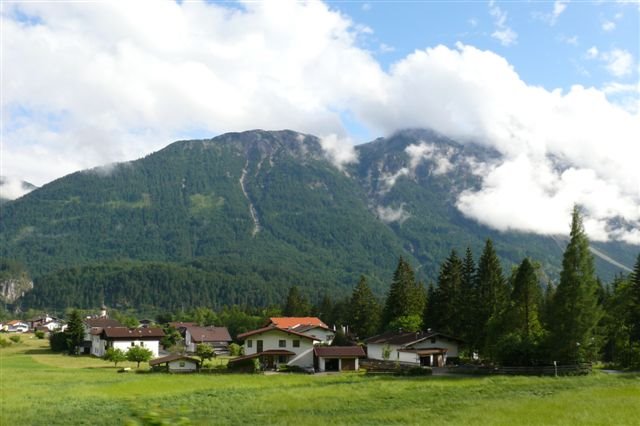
(37, 387)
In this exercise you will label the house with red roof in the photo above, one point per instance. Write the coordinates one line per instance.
(311, 326)
(274, 346)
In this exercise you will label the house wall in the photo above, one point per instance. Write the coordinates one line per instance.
(322, 361)
(303, 355)
(451, 346)
(325, 336)
(152, 345)
(98, 346)
(374, 351)
(174, 366)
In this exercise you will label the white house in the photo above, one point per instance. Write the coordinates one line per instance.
(177, 363)
(276, 346)
(93, 327)
(428, 348)
(338, 358)
(217, 337)
(125, 338)
(16, 326)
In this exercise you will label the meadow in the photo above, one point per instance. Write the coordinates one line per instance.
(38, 387)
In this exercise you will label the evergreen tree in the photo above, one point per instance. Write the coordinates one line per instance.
(406, 297)
(364, 314)
(430, 314)
(467, 299)
(575, 307)
(525, 299)
(296, 304)
(74, 332)
(448, 297)
(325, 310)
(491, 292)
(634, 312)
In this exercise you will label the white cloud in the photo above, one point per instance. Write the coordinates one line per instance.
(559, 6)
(12, 188)
(474, 95)
(573, 40)
(385, 48)
(608, 25)
(503, 33)
(425, 151)
(340, 151)
(619, 62)
(592, 52)
(390, 214)
(121, 80)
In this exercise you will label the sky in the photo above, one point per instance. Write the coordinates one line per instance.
(552, 85)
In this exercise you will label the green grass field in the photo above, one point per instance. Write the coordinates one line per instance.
(40, 388)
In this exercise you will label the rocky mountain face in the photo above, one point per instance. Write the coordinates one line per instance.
(258, 205)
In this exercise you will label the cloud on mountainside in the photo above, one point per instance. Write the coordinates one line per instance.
(90, 83)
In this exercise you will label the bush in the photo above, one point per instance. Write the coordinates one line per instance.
(15, 338)
(39, 334)
(4, 342)
(235, 349)
(418, 371)
(246, 366)
(58, 341)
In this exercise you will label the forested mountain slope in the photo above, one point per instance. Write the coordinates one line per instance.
(241, 217)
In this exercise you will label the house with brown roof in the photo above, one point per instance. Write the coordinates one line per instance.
(125, 338)
(16, 326)
(177, 363)
(425, 348)
(216, 337)
(93, 327)
(275, 346)
(338, 358)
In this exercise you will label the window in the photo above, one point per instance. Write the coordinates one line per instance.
(433, 340)
(296, 343)
(282, 343)
(133, 343)
(181, 363)
(142, 344)
(282, 359)
(249, 343)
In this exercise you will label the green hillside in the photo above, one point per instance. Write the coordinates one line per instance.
(239, 218)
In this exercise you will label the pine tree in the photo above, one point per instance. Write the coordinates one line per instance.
(296, 304)
(430, 310)
(364, 314)
(467, 299)
(575, 308)
(491, 292)
(406, 297)
(74, 332)
(634, 314)
(525, 299)
(447, 295)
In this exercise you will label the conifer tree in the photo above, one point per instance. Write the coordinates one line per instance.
(491, 294)
(406, 297)
(74, 332)
(575, 307)
(467, 299)
(447, 296)
(430, 310)
(634, 314)
(364, 314)
(296, 304)
(525, 298)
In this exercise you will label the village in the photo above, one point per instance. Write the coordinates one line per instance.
(292, 344)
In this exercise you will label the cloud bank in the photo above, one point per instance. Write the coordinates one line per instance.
(91, 83)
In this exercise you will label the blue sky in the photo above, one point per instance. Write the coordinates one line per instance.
(90, 83)
(548, 52)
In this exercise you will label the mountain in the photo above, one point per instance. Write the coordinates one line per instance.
(241, 217)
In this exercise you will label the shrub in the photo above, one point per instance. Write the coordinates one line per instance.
(39, 334)
(418, 371)
(15, 338)
(235, 349)
(58, 341)
(4, 342)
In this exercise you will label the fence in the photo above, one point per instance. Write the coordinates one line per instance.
(542, 370)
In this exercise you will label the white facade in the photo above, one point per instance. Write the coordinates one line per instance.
(322, 334)
(322, 363)
(271, 341)
(375, 350)
(125, 345)
(182, 366)
(21, 327)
